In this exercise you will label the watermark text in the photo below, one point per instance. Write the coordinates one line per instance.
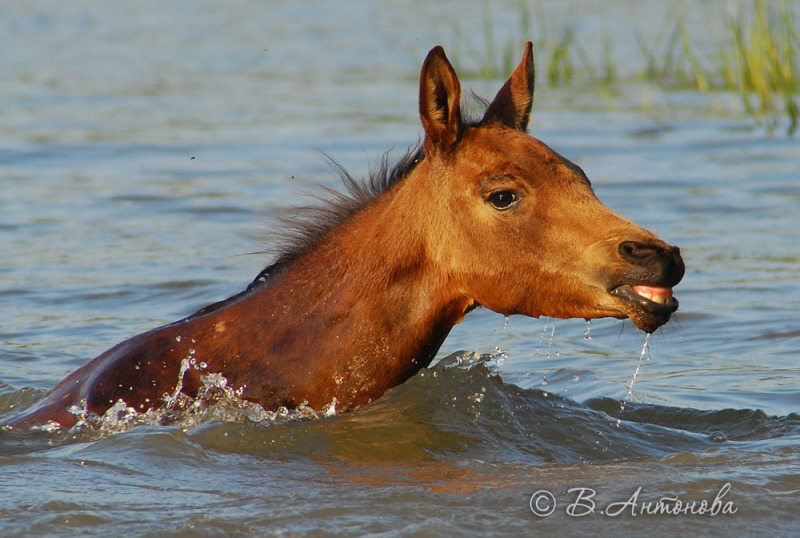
(581, 502)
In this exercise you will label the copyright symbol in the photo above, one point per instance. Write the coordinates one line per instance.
(542, 503)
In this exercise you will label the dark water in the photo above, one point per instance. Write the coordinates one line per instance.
(144, 147)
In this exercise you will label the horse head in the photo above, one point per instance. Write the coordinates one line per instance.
(520, 230)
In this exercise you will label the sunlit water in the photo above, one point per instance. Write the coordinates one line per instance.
(144, 149)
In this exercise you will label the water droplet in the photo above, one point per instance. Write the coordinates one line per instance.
(586, 335)
(717, 437)
(552, 330)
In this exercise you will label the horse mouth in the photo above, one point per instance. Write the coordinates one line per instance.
(648, 307)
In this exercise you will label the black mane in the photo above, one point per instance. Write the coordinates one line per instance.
(311, 223)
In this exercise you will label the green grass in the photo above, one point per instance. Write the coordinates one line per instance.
(762, 62)
(756, 56)
(554, 43)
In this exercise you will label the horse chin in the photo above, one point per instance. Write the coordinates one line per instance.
(648, 307)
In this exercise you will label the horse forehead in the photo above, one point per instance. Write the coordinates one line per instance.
(503, 147)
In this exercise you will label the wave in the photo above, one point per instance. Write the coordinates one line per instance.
(459, 409)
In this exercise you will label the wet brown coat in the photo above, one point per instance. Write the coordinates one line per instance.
(488, 216)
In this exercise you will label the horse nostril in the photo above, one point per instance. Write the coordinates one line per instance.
(638, 253)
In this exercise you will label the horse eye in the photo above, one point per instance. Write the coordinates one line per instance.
(503, 200)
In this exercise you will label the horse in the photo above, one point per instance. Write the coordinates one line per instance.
(367, 290)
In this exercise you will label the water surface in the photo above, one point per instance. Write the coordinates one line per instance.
(145, 148)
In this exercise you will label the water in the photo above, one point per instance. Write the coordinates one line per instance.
(144, 147)
(645, 352)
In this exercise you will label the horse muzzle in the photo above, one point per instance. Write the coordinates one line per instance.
(644, 286)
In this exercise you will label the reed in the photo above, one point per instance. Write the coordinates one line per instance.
(559, 56)
(761, 61)
(756, 56)
(661, 52)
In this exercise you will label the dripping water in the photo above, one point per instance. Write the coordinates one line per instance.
(551, 329)
(645, 352)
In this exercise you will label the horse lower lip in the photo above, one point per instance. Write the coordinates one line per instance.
(644, 313)
(628, 294)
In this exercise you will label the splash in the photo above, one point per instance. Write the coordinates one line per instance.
(215, 401)
(470, 359)
(645, 352)
(177, 397)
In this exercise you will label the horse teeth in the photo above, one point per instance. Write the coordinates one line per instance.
(654, 293)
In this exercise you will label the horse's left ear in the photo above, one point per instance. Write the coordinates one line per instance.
(512, 104)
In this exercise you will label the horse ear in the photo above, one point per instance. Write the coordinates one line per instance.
(512, 104)
(440, 101)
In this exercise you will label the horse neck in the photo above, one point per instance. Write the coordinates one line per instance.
(370, 280)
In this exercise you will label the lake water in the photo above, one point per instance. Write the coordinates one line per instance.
(144, 149)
